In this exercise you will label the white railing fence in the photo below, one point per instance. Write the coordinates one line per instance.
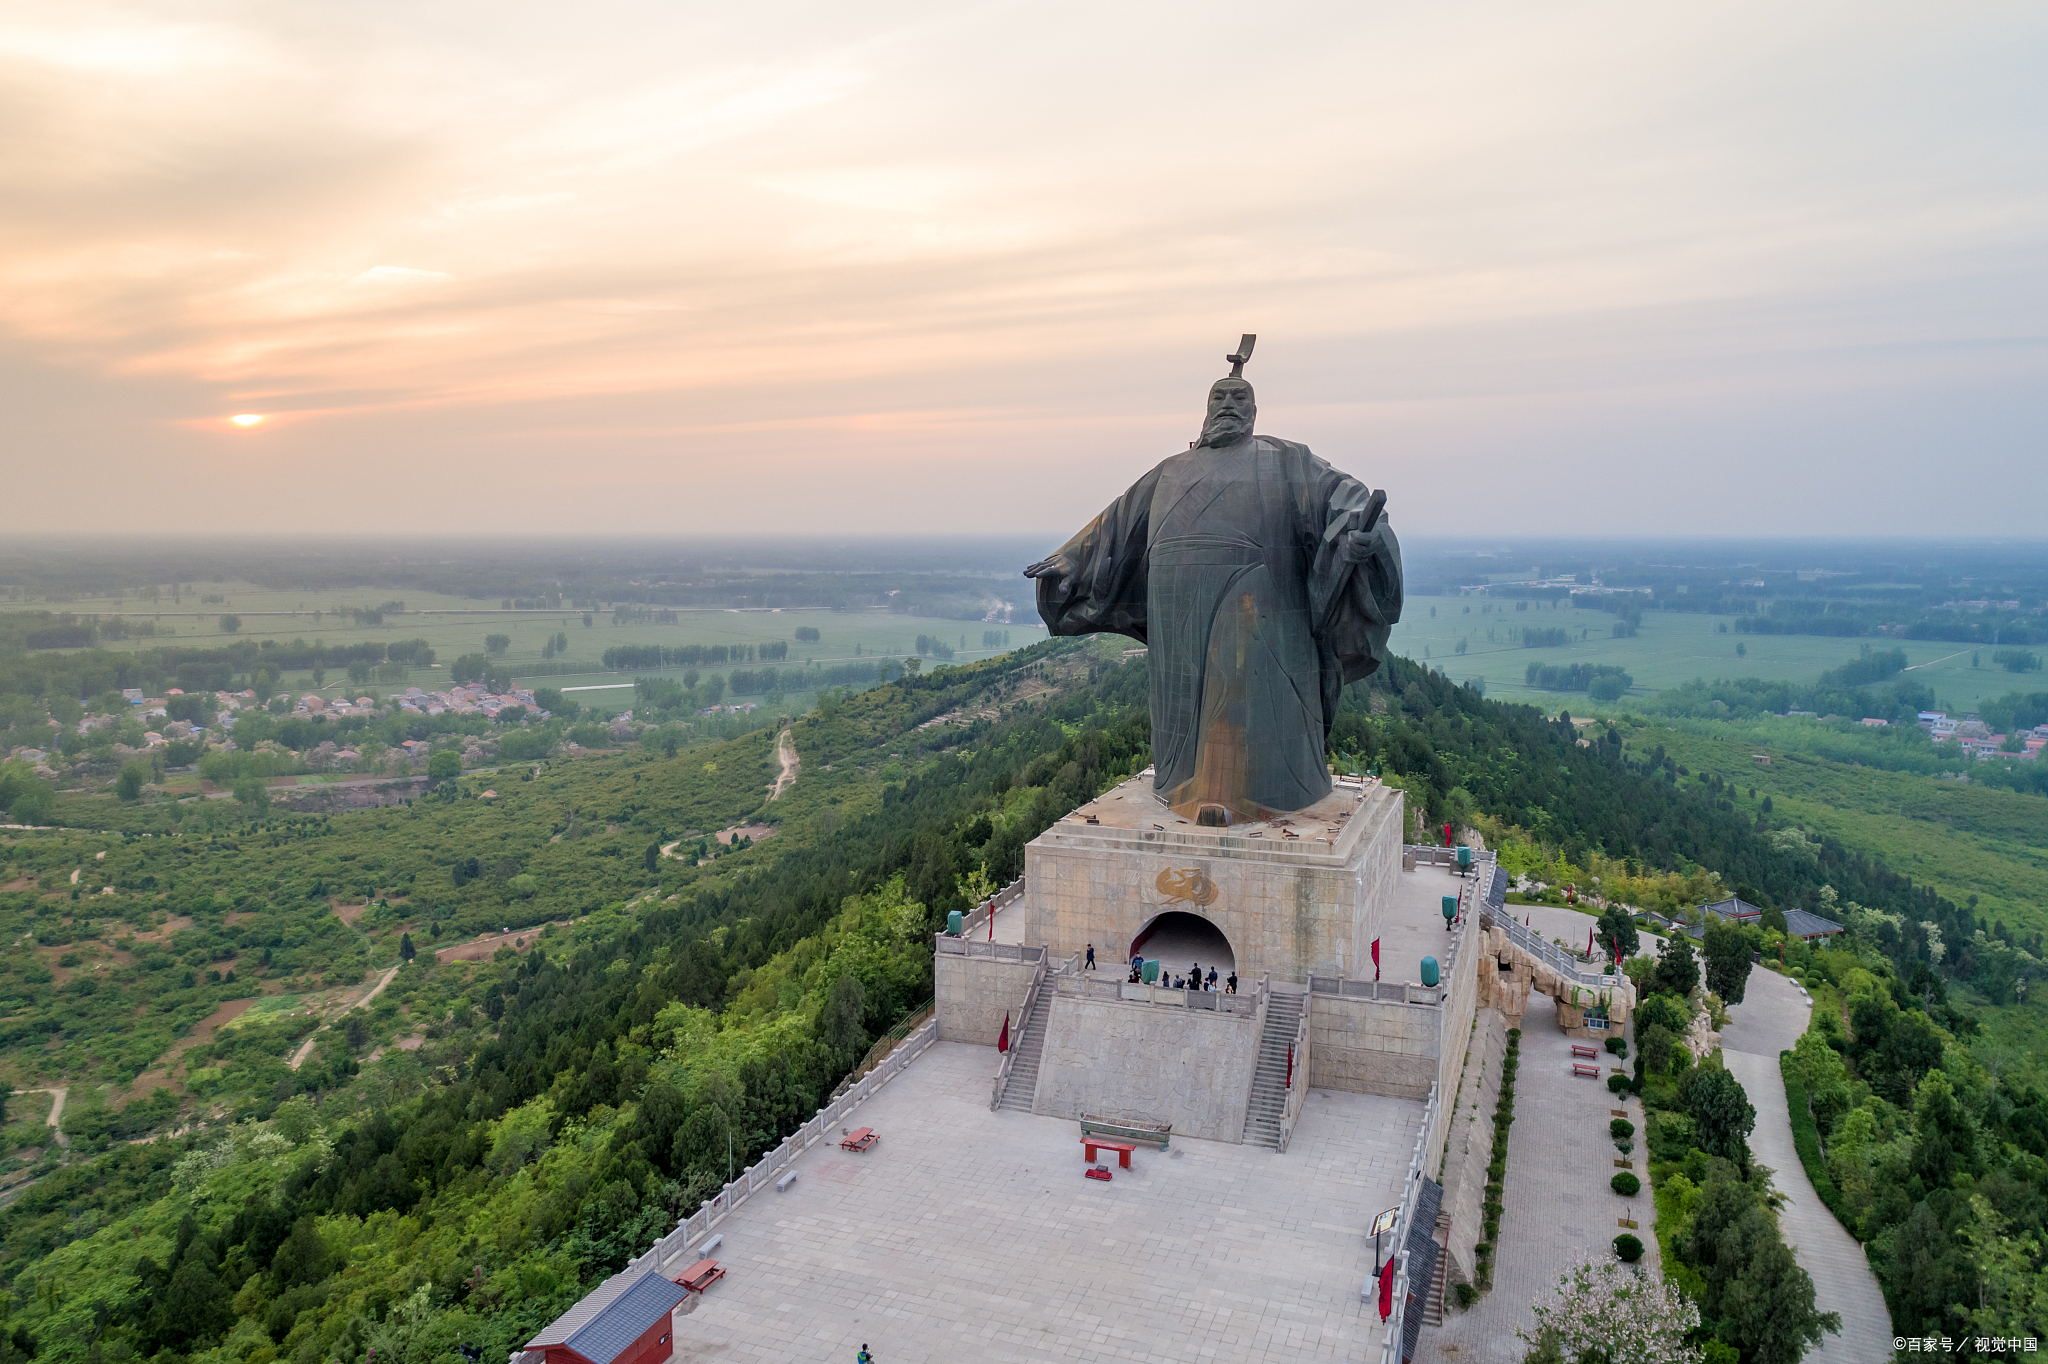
(1411, 1188)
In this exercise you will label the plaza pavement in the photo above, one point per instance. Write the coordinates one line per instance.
(1770, 1018)
(972, 1235)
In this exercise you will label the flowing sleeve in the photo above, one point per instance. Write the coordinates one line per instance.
(1355, 604)
(1106, 589)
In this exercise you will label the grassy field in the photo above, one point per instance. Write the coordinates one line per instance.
(1670, 648)
(456, 626)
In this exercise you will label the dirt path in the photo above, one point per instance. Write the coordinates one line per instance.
(477, 949)
(306, 1047)
(56, 1110)
(785, 751)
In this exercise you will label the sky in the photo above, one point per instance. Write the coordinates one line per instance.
(795, 268)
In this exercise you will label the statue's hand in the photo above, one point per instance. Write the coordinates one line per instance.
(1359, 545)
(1055, 568)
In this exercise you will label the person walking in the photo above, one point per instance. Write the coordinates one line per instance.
(863, 1357)
(1091, 958)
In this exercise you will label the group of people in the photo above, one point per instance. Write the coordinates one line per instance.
(1193, 980)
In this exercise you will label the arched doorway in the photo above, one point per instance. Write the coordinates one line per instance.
(1179, 939)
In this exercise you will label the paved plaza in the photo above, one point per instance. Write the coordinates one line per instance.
(968, 1234)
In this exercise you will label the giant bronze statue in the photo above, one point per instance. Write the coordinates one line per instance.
(1262, 580)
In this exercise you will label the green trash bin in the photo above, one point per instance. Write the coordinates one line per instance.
(1450, 909)
(1152, 972)
(1464, 859)
(953, 922)
(1429, 972)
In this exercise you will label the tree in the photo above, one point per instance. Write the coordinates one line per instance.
(128, 786)
(469, 667)
(1728, 961)
(444, 766)
(839, 1022)
(1678, 970)
(406, 951)
(1618, 931)
(1721, 1111)
(303, 1259)
(1613, 1315)
(253, 795)
(1766, 1309)
(496, 644)
(230, 624)
(1946, 1143)
(359, 672)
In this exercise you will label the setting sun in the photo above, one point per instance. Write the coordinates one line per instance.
(246, 419)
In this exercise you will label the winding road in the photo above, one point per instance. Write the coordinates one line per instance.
(1769, 1020)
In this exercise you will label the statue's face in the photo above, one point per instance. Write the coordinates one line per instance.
(1231, 413)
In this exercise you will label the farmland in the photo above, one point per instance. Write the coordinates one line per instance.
(1669, 648)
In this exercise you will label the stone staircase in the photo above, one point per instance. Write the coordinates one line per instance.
(1268, 1106)
(1028, 1043)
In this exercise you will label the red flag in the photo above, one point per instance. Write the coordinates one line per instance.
(1375, 958)
(1003, 1042)
(1589, 942)
(1387, 1289)
(1447, 835)
(1290, 1065)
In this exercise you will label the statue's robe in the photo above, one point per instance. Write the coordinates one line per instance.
(1229, 564)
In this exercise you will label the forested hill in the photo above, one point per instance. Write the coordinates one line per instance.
(564, 1105)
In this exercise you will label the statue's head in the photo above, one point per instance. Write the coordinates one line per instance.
(1232, 409)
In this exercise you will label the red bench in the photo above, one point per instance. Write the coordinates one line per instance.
(1581, 1068)
(1587, 1052)
(859, 1140)
(701, 1275)
(1123, 1149)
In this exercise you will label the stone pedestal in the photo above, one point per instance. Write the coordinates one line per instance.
(1303, 893)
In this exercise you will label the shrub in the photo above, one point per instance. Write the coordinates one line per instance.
(1618, 1046)
(1617, 1084)
(1626, 1184)
(1467, 1295)
(1628, 1248)
(1621, 1129)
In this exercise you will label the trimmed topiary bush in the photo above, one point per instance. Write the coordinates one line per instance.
(1628, 1248)
(1621, 1129)
(1617, 1084)
(1618, 1046)
(1626, 1184)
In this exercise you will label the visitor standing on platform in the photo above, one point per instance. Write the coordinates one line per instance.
(1231, 984)
(1091, 958)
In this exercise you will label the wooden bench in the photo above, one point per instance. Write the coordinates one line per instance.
(1588, 1053)
(1123, 1149)
(1581, 1068)
(701, 1275)
(860, 1139)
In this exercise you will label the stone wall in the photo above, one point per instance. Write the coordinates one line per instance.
(972, 994)
(1287, 906)
(1459, 1006)
(1469, 1141)
(1149, 1063)
(1366, 1046)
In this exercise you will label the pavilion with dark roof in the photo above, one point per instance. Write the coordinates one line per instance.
(625, 1320)
(1799, 923)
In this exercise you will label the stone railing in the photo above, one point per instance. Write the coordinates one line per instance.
(1554, 958)
(977, 918)
(1023, 1020)
(763, 1172)
(950, 946)
(1411, 1189)
(1380, 991)
(1095, 985)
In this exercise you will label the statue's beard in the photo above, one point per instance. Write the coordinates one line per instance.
(1226, 428)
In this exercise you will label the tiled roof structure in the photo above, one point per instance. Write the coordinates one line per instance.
(614, 1315)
